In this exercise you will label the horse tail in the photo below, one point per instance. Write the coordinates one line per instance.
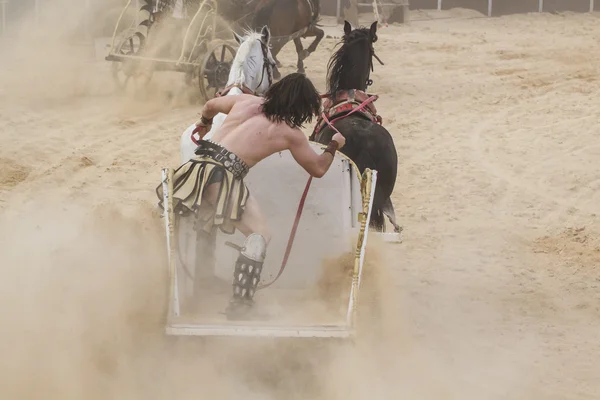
(316, 17)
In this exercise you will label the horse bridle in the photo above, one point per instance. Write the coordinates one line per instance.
(372, 54)
(267, 64)
(370, 81)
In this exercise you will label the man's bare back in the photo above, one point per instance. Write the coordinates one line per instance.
(249, 134)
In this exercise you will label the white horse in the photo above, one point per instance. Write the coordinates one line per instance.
(251, 73)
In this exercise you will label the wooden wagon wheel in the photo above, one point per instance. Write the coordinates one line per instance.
(130, 70)
(213, 73)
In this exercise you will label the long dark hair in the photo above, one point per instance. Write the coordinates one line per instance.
(349, 67)
(293, 100)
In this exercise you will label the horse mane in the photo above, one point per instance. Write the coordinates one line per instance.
(343, 66)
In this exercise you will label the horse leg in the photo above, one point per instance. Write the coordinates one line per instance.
(364, 160)
(274, 52)
(382, 203)
(319, 34)
(388, 210)
(377, 221)
(276, 73)
(300, 51)
(277, 46)
(315, 32)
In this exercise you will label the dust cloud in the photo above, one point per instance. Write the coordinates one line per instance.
(83, 299)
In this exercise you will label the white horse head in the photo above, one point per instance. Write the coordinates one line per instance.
(251, 72)
(253, 63)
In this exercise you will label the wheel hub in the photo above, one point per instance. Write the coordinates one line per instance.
(215, 68)
(220, 74)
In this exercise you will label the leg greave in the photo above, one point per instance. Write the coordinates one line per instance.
(246, 278)
(255, 248)
(248, 267)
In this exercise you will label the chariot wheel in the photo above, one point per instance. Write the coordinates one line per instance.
(129, 72)
(214, 71)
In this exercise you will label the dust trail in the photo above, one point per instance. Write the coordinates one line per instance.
(83, 299)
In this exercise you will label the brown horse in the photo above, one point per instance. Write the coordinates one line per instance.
(290, 20)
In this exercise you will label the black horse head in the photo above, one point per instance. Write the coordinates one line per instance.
(351, 65)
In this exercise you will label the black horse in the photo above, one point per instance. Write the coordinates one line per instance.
(368, 143)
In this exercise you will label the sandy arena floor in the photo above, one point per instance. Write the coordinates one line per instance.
(496, 286)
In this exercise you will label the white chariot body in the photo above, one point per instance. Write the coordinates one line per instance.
(332, 227)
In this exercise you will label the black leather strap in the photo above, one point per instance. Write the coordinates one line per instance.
(229, 160)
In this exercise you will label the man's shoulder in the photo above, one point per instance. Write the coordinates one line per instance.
(293, 134)
(247, 100)
(250, 98)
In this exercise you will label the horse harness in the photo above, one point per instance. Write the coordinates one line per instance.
(351, 101)
(344, 103)
(369, 80)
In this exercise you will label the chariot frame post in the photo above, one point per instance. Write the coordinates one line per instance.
(369, 183)
(168, 215)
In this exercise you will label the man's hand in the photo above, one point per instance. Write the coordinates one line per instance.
(337, 142)
(202, 127)
(202, 130)
(338, 137)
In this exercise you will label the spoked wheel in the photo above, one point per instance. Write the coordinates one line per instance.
(129, 72)
(214, 71)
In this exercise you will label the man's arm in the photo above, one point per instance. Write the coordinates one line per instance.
(213, 107)
(316, 165)
(221, 105)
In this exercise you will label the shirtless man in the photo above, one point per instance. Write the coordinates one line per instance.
(211, 184)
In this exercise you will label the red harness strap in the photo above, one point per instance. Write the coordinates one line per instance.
(346, 98)
(349, 103)
(360, 108)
